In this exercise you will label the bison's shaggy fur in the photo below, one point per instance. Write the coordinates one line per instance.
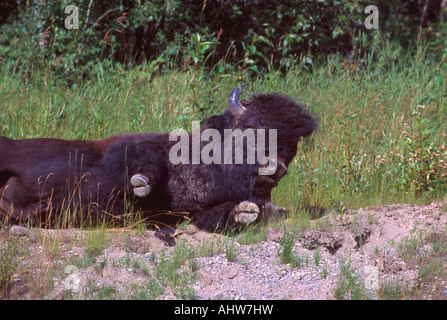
(41, 179)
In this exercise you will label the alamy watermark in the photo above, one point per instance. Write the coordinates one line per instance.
(72, 21)
(372, 21)
(212, 152)
(73, 281)
(220, 151)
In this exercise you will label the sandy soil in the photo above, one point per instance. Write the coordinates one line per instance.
(369, 244)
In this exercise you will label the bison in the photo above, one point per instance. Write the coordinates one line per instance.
(43, 179)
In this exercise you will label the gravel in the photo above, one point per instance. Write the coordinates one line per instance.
(326, 259)
(257, 273)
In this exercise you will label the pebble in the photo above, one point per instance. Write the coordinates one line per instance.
(19, 231)
(255, 273)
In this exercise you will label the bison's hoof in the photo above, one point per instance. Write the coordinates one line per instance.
(141, 185)
(246, 212)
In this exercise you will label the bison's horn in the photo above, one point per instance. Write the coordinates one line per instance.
(234, 104)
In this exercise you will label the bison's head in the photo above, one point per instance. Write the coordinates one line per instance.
(290, 121)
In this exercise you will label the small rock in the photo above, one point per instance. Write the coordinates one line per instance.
(313, 239)
(233, 272)
(393, 215)
(19, 231)
(218, 295)
(191, 229)
(275, 236)
(108, 271)
(205, 277)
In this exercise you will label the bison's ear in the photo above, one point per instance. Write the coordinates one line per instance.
(234, 104)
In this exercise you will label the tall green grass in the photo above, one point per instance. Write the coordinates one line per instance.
(367, 113)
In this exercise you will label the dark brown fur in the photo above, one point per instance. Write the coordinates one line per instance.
(39, 177)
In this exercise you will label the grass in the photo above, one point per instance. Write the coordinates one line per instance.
(372, 146)
(428, 252)
(395, 290)
(10, 256)
(381, 140)
(349, 286)
(285, 250)
(96, 241)
(251, 234)
(231, 250)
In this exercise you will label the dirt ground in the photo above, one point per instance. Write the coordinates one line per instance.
(375, 250)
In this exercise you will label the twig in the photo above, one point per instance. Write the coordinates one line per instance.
(86, 21)
(103, 16)
(421, 20)
(441, 8)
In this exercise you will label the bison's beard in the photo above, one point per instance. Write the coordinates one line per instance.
(266, 182)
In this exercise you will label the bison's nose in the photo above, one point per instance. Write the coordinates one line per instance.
(274, 167)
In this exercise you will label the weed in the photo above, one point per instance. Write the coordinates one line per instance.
(53, 245)
(317, 256)
(10, 256)
(170, 270)
(324, 271)
(96, 241)
(394, 290)
(193, 265)
(348, 285)
(105, 292)
(231, 250)
(84, 262)
(148, 290)
(285, 251)
(252, 234)
(426, 254)
(409, 247)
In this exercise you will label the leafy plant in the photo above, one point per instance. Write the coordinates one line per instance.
(199, 48)
(351, 180)
(421, 165)
(259, 36)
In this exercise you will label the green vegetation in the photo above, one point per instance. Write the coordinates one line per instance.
(10, 256)
(349, 286)
(211, 35)
(381, 136)
(157, 66)
(285, 251)
(428, 252)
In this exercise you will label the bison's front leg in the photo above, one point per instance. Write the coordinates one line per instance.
(142, 184)
(245, 212)
(227, 215)
(230, 215)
